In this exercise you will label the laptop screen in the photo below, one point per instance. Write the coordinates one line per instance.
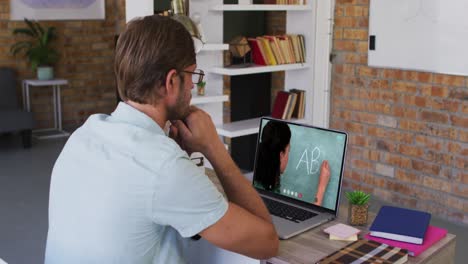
(291, 160)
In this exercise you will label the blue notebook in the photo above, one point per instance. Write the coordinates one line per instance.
(400, 224)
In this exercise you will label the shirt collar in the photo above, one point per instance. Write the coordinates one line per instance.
(128, 114)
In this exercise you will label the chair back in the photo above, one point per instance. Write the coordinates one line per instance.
(8, 97)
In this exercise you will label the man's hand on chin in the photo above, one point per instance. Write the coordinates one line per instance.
(196, 133)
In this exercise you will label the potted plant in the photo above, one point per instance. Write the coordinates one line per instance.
(201, 88)
(37, 48)
(358, 207)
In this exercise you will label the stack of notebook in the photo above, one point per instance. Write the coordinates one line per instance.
(405, 228)
(342, 232)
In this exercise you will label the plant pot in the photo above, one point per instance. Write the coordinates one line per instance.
(357, 214)
(201, 89)
(45, 73)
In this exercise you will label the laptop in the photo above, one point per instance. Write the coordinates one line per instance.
(292, 196)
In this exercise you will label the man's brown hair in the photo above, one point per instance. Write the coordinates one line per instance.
(146, 51)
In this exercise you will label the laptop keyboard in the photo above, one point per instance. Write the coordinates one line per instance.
(287, 212)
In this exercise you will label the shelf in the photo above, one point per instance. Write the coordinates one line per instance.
(244, 127)
(261, 8)
(257, 69)
(239, 128)
(214, 47)
(208, 98)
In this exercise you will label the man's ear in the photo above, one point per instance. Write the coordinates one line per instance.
(171, 81)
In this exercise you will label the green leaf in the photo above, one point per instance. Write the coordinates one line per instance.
(20, 46)
(37, 50)
(32, 27)
(39, 28)
(357, 197)
(24, 31)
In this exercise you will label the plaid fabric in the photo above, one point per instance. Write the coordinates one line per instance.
(365, 251)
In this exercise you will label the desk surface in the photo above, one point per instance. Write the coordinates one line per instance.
(314, 244)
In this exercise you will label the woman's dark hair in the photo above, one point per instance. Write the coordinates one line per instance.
(274, 139)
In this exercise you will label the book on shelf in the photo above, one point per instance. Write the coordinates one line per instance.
(291, 48)
(286, 49)
(289, 105)
(284, 2)
(296, 47)
(274, 50)
(274, 43)
(365, 251)
(280, 104)
(400, 224)
(267, 50)
(302, 43)
(298, 111)
(257, 55)
(433, 234)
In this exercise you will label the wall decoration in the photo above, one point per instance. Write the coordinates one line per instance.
(57, 9)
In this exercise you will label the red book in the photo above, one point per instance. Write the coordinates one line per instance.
(257, 55)
(280, 104)
(433, 234)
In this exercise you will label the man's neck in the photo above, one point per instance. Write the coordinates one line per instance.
(154, 112)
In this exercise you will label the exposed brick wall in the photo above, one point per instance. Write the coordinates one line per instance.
(86, 50)
(408, 130)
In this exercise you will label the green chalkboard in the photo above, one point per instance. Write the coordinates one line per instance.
(309, 147)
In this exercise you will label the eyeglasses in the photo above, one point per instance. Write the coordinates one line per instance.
(197, 75)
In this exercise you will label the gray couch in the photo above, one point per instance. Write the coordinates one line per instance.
(12, 117)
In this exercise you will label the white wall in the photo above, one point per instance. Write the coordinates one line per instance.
(136, 8)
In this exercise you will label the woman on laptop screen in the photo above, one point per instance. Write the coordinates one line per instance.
(273, 159)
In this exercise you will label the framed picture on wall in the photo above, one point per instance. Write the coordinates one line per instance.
(57, 9)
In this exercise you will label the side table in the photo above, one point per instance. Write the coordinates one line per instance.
(56, 131)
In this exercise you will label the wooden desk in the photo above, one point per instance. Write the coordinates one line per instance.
(312, 245)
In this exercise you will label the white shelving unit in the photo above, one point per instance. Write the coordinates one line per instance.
(244, 127)
(239, 128)
(211, 55)
(261, 8)
(258, 69)
(312, 20)
(209, 97)
(214, 47)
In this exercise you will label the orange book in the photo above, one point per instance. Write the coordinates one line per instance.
(269, 53)
(296, 48)
(274, 43)
(291, 49)
(285, 49)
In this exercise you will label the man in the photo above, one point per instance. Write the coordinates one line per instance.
(124, 192)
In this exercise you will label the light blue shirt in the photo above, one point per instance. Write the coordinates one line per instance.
(123, 192)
